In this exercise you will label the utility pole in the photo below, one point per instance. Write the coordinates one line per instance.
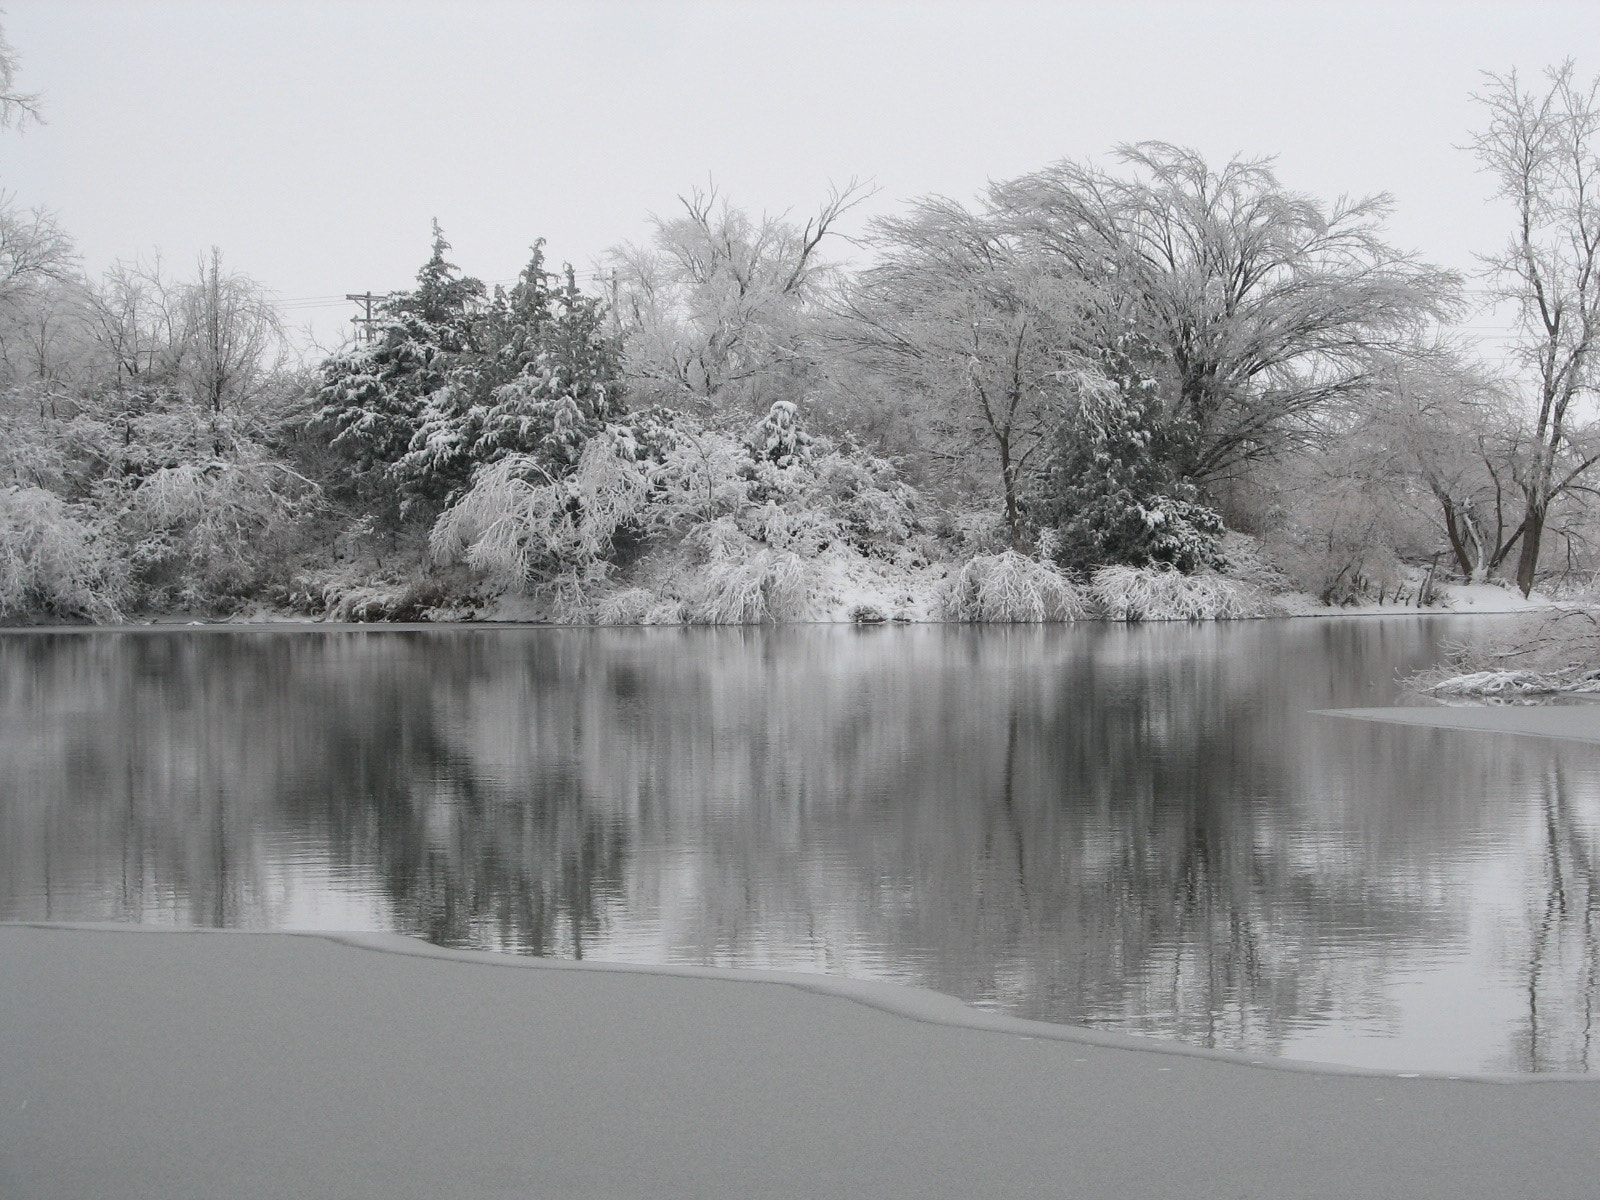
(366, 323)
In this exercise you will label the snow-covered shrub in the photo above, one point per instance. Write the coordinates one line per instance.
(700, 477)
(376, 602)
(970, 532)
(206, 526)
(1164, 594)
(349, 596)
(783, 489)
(876, 510)
(51, 560)
(38, 452)
(1012, 587)
(1247, 562)
(777, 438)
(629, 607)
(519, 526)
(759, 586)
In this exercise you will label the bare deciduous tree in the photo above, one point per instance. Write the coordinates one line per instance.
(231, 337)
(1267, 305)
(714, 310)
(16, 108)
(1541, 147)
(33, 250)
(976, 332)
(134, 326)
(217, 341)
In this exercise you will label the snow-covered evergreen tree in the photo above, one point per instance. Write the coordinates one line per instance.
(372, 398)
(1108, 493)
(542, 380)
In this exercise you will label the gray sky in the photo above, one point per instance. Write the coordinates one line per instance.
(314, 142)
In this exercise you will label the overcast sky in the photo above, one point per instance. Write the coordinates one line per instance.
(314, 142)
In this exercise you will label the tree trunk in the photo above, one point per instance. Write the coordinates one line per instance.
(1532, 536)
(1453, 531)
(1008, 478)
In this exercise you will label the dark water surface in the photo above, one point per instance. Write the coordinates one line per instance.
(1139, 828)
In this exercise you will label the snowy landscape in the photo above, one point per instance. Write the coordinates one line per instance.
(706, 599)
(1144, 385)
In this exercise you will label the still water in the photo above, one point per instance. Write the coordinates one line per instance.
(1138, 828)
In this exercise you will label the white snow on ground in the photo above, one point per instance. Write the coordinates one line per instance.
(1456, 598)
(1491, 598)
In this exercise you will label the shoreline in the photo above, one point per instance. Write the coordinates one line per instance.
(171, 1066)
(306, 625)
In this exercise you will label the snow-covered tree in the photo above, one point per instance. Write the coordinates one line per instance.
(372, 397)
(53, 558)
(982, 343)
(522, 525)
(1106, 489)
(230, 339)
(718, 311)
(542, 379)
(1265, 305)
(1543, 150)
(16, 108)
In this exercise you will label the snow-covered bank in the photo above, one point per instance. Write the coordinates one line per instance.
(931, 595)
(1485, 598)
(181, 1066)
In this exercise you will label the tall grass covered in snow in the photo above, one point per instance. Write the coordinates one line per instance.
(1162, 594)
(1012, 587)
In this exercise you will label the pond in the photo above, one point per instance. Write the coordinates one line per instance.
(1139, 828)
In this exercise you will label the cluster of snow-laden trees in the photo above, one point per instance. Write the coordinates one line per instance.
(1151, 387)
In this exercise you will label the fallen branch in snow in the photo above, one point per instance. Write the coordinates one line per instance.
(1557, 651)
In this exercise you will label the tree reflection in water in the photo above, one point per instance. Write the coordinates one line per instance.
(1134, 827)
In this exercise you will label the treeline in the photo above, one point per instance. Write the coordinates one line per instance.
(1159, 387)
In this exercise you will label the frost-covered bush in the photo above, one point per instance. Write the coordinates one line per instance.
(630, 606)
(732, 578)
(1165, 594)
(969, 532)
(205, 526)
(876, 510)
(520, 526)
(784, 489)
(1247, 562)
(1012, 587)
(716, 528)
(341, 596)
(762, 585)
(38, 452)
(778, 439)
(53, 561)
